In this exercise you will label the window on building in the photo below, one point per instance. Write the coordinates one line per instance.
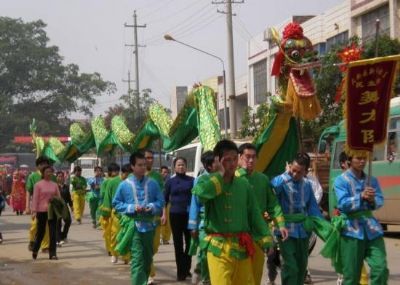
(337, 40)
(181, 94)
(221, 118)
(320, 48)
(260, 81)
(368, 23)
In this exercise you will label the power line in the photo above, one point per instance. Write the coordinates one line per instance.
(175, 13)
(184, 22)
(163, 4)
(190, 29)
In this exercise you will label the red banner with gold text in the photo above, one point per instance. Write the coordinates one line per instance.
(369, 88)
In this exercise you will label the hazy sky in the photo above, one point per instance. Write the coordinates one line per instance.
(91, 34)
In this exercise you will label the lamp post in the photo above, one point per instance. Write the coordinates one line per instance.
(170, 38)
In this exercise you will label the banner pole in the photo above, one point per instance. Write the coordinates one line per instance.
(377, 23)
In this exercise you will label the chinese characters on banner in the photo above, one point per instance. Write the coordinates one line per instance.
(369, 88)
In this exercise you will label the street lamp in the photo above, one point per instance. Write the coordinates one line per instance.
(170, 38)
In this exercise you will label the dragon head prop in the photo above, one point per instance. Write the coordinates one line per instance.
(293, 61)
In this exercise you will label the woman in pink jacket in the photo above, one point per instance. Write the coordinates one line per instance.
(43, 192)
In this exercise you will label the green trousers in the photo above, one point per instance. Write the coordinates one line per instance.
(353, 252)
(202, 264)
(294, 253)
(93, 205)
(142, 257)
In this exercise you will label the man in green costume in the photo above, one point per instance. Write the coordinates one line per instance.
(110, 212)
(232, 220)
(106, 209)
(267, 201)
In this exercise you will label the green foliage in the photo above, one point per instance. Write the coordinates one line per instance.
(251, 122)
(34, 83)
(136, 114)
(248, 123)
(327, 81)
(386, 46)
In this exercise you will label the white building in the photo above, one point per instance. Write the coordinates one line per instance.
(178, 98)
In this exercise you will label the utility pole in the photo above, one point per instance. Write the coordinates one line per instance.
(129, 86)
(231, 65)
(136, 52)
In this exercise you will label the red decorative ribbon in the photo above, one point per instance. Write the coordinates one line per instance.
(244, 238)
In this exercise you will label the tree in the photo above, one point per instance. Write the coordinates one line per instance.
(135, 117)
(386, 46)
(248, 123)
(34, 83)
(252, 121)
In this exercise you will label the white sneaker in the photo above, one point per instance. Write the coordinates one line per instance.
(61, 242)
(150, 281)
(114, 259)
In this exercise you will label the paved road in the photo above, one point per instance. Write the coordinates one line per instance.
(84, 261)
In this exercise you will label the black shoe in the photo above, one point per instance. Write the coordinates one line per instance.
(34, 255)
(53, 257)
(181, 278)
(308, 279)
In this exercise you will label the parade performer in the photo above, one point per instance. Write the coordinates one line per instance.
(361, 233)
(165, 232)
(78, 193)
(266, 199)
(93, 196)
(62, 231)
(345, 165)
(44, 191)
(113, 216)
(196, 223)
(231, 221)
(149, 156)
(33, 178)
(178, 193)
(140, 199)
(106, 208)
(302, 216)
(18, 198)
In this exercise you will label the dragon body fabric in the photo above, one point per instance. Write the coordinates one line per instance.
(198, 118)
(296, 99)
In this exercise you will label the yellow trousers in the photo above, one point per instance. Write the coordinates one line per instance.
(227, 270)
(257, 263)
(166, 229)
(106, 225)
(364, 275)
(32, 234)
(79, 204)
(115, 227)
(156, 245)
